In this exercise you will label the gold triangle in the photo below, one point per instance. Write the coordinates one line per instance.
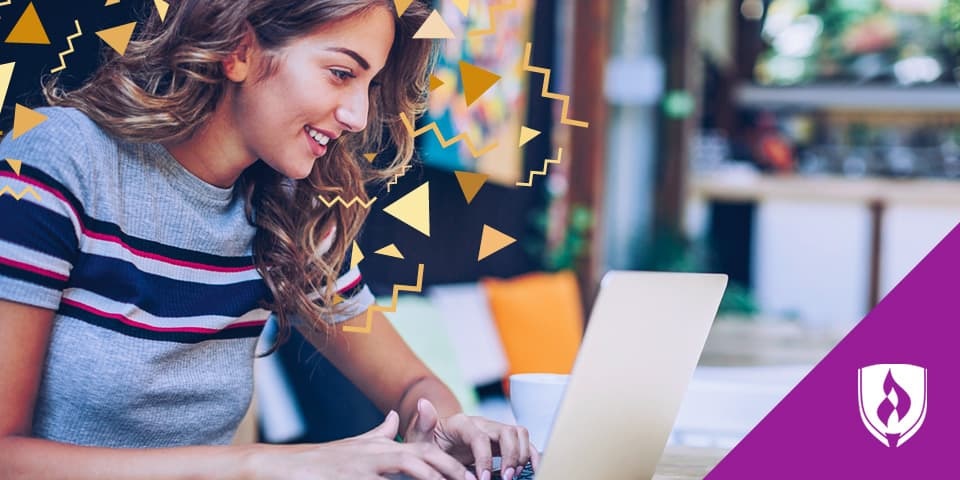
(118, 37)
(15, 165)
(370, 156)
(434, 27)
(356, 256)
(161, 8)
(470, 183)
(413, 209)
(476, 81)
(462, 5)
(29, 29)
(25, 120)
(527, 134)
(6, 74)
(390, 251)
(111, 2)
(402, 6)
(435, 83)
(492, 241)
(337, 299)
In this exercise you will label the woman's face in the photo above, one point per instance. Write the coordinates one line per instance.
(319, 90)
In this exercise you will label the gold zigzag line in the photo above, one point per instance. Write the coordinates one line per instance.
(545, 92)
(494, 9)
(7, 190)
(63, 63)
(396, 177)
(346, 204)
(393, 303)
(444, 142)
(546, 164)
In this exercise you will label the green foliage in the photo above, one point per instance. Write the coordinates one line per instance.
(672, 251)
(669, 251)
(565, 255)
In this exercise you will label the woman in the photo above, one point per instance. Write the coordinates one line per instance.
(177, 209)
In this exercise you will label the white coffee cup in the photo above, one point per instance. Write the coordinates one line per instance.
(535, 399)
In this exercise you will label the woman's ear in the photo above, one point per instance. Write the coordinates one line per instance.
(238, 64)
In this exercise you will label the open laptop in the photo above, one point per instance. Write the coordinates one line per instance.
(642, 343)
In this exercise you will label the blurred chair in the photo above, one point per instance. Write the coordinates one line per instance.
(419, 322)
(540, 320)
(465, 313)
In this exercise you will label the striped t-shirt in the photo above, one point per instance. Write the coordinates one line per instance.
(151, 273)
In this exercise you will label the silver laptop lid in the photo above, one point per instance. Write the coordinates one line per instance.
(643, 341)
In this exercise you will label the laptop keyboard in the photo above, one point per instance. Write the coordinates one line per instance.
(525, 474)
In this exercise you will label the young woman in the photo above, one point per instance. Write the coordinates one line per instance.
(176, 209)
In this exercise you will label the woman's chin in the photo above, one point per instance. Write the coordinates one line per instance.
(295, 172)
(299, 174)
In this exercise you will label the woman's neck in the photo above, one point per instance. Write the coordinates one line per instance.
(216, 152)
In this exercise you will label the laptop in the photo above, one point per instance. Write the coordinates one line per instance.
(642, 343)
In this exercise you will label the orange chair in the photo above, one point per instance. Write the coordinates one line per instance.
(540, 320)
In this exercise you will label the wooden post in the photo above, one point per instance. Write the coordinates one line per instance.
(588, 145)
(677, 132)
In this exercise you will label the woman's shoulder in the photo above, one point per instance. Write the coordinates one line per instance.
(65, 145)
(60, 120)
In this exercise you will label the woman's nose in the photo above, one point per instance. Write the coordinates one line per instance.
(352, 111)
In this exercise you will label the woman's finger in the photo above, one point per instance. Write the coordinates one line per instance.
(407, 464)
(442, 462)
(509, 451)
(482, 454)
(524, 443)
(534, 457)
(387, 429)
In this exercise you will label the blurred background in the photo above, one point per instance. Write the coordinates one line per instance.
(809, 149)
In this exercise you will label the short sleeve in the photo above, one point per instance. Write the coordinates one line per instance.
(353, 296)
(40, 224)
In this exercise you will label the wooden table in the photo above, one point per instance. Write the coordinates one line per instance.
(687, 463)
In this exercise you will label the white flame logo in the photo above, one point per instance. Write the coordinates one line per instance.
(893, 401)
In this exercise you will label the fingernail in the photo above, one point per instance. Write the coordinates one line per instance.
(485, 475)
(508, 474)
(470, 476)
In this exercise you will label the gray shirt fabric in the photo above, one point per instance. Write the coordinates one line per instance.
(151, 273)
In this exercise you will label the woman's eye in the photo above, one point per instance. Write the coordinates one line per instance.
(342, 74)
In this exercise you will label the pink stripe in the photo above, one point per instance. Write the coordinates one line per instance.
(117, 240)
(351, 285)
(152, 328)
(252, 323)
(30, 268)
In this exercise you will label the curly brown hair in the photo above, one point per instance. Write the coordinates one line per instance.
(171, 80)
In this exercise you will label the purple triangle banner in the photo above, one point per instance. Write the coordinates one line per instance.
(883, 404)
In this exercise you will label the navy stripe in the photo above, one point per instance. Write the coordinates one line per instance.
(178, 337)
(112, 229)
(123, 282)
(37, 228)
(352, 291)
(30, 277)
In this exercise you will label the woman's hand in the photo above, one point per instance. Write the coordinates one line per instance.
(474, 440)
(373, 455)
